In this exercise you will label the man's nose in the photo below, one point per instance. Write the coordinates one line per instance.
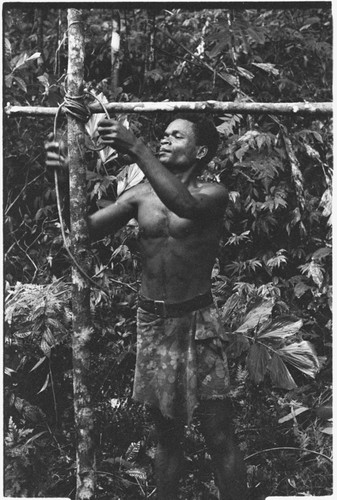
(165, 140)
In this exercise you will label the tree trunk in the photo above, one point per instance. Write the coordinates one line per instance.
(296, 173)
(39, 42)
(213, 107)
(57, 62)
(115, 46)
(150, 62)
(82, 326)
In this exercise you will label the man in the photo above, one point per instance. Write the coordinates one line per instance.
(181, 366)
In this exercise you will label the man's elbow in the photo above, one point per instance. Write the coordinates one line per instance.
(95, 231)
(199, 210)
(187, 210)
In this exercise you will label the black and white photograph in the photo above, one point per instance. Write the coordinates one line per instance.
(167, 250)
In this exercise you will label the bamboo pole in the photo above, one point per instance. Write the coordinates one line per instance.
(82, 326)
(214, 107)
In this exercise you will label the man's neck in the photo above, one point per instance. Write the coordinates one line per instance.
(187, 176)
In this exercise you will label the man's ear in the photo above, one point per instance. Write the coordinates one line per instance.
(203, 150)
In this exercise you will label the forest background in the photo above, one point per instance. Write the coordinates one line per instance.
(272, 279)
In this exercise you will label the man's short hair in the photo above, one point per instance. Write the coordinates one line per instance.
(205, 131)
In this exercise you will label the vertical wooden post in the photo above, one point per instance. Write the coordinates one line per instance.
(150, 61)
(115, 47)
(82, 326)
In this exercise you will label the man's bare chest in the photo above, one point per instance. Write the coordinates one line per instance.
(157, 221)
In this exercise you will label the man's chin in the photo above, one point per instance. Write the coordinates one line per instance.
(167, 163)
(164, 160)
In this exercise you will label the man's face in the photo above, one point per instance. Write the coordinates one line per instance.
(178, 147)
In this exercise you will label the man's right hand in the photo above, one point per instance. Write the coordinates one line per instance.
(55, 158)
(57, 161)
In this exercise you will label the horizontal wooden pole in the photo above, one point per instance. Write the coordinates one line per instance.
(214, 107)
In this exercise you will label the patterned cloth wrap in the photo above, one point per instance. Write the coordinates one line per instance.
(180, 361)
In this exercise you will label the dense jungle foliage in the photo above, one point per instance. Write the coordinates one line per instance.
(272, 279)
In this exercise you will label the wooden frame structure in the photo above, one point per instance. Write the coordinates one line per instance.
(214, 107)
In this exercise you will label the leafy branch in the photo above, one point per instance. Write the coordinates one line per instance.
(259, 335)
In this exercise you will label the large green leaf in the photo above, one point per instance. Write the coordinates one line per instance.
(92, 124)
(280, 328)
(256, 316)
(107, 153)
(229, 307)
(313, 270)
(268, 67)
(130, 176)
(293, 414)
(239, 345)
(138, 472)
(280, 375)
(257, 362)
(222, 40)
(133, 451)
(302, 356)
(20, 83)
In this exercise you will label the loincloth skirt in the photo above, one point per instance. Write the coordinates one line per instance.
(180, 361)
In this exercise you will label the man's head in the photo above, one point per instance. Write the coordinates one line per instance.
(189, 139)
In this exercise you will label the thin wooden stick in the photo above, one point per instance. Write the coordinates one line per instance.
(214, 107)
(292, 448)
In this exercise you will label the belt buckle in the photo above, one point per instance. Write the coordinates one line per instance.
(159, 308)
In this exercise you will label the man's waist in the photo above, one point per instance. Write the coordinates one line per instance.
(168, 309)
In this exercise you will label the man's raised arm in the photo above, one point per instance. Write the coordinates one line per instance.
(169, 188)
(210, 200)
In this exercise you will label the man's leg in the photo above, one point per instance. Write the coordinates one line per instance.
(169, 454)
(229, 468)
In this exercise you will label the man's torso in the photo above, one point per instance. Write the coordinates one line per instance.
(177, 254)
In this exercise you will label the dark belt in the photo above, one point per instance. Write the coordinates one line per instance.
(165, 309)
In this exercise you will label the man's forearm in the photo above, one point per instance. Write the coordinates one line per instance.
(171, 191)
(167, 186)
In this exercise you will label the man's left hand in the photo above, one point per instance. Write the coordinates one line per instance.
(114, 134)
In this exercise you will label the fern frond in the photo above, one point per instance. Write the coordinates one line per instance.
(39, 314)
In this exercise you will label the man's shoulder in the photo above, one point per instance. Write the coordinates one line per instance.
(214, 188)
(137, 192)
